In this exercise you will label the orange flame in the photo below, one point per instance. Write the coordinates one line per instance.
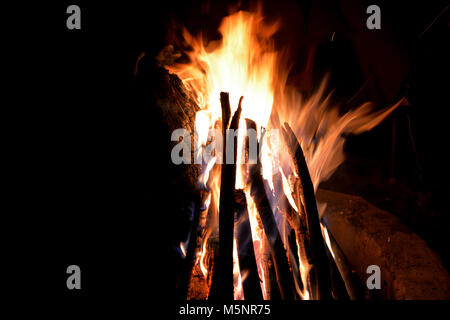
(238, 291)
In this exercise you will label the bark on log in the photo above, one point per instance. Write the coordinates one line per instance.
(173, 108)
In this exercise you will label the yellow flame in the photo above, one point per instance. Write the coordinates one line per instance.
(238, 291)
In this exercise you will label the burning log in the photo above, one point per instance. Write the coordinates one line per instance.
(246, 252)
(200, 282)
(271, 279)
(293, 249)
(279, 257)
(319, 274)
(191, 249)
(222, 284)
(270, 283)
(298, 241)
(295, 231)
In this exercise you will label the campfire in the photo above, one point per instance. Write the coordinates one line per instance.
(260, 150)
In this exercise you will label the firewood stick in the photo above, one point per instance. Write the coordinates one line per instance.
(275, 294)
(279, 257)
(353, 286)
(190, 252)
(270, 277)
(247, 261)
(294, 256)
(319, 273)
(298, 224)
(222, 283)
(296, 241)
(338, 289)
(291, 223)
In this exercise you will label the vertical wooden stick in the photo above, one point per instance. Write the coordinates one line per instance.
(247, 262)
(222, 283)
(319, 274)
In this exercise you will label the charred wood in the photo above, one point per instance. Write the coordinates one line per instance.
(319, 274)
(284, 277)
(351, 281)
(246, 253)
(222, 287)
(195, 234)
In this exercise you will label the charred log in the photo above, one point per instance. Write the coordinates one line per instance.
(319, 274)
(189, 260)
(222, 284)
(247, 261)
